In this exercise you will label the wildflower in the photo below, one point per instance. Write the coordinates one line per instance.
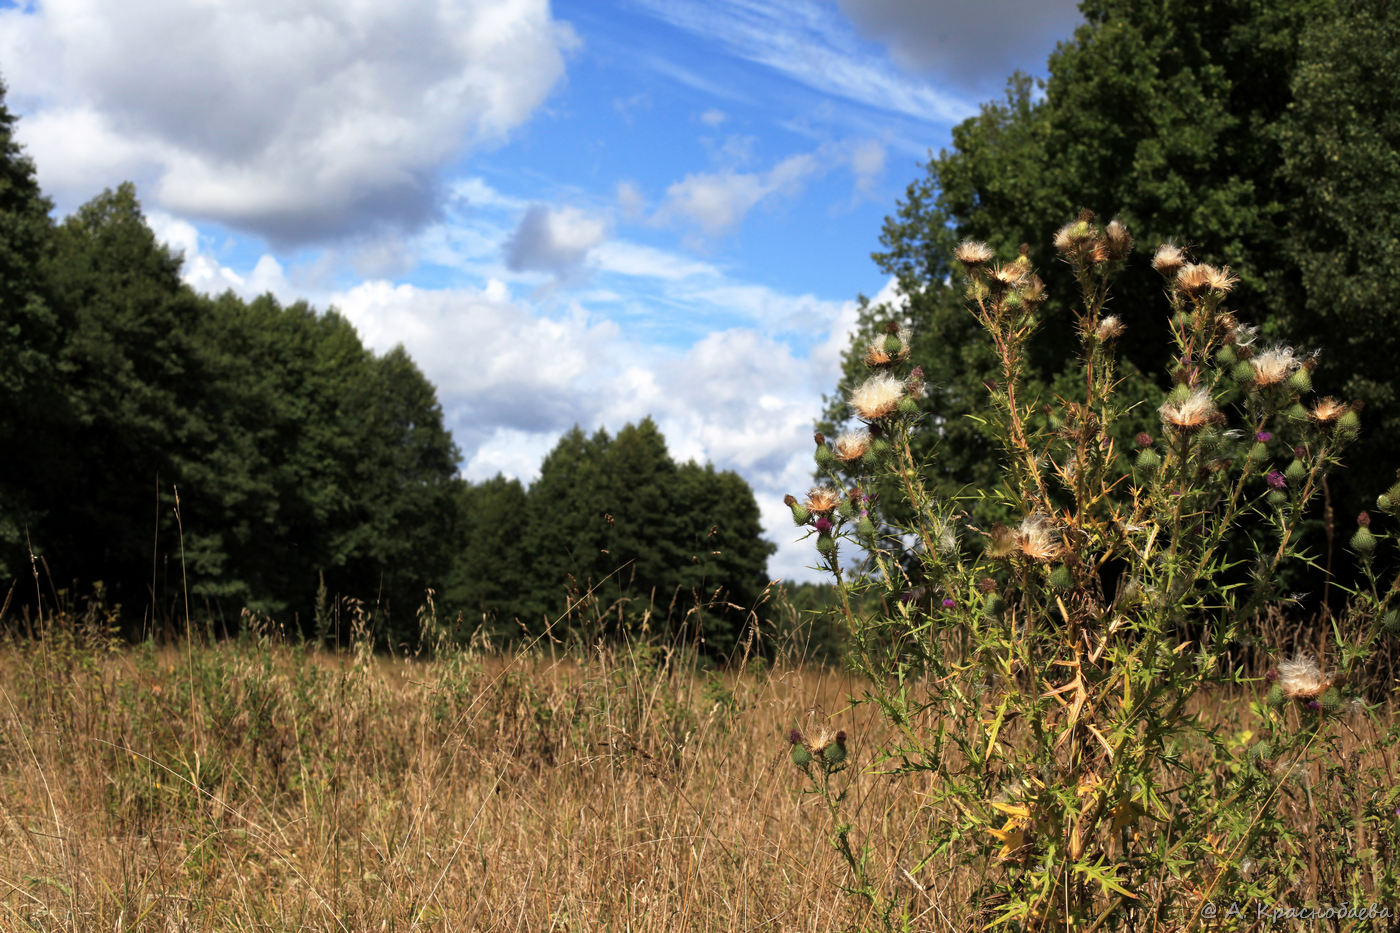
(1008, 276)
(1276, 480)
(821, 499)
(1263, 437)
(883, 350)
(1302, 678)
(949, 603)
(1001, 541)
(822, 524)
(1118, 240)
(1274, 365)
(1220, 280)
(1168, 259)
(800, 515)
(1196, 278)
(877, 396)
(1143, 439)
(852, 445)
(1191, 413)
(1109, 328)
(972, 254)
(1036, 538)
(1327, 410)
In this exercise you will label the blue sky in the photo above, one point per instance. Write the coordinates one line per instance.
(569, 213)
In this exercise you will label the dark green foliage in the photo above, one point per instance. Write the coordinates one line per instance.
(617, 533)
(296, 454)
(1258, 135)
(490, 571)
(29, 333)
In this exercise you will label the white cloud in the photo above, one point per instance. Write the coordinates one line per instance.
(554, 240)
(867, 164)
(713, 117)
(805, 42)
(718, 201)
(296, 119)
(630, 201)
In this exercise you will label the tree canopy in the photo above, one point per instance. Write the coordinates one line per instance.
(1256, 134)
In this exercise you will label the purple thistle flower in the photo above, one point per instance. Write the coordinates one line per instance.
(1314, 705)
(1276, 480)
(794, 737)
(949, 603)
(1263, 437)
(823, 524)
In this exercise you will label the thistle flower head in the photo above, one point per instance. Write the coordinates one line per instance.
(1328, 410)
(1276, 480)
(879, 353)
(1274, 365)
(1302, 678)
(852, 445)
(1118, 240)
(1036, 538)
(1192, 413)
(1195, 278)
(1168, 259)
(1109, 328)
(877, 396)
(822, 499)
(972, 254)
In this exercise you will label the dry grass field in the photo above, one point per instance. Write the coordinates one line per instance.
(257, 785)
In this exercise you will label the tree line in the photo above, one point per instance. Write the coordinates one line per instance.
(1257, 134)
(161, 445)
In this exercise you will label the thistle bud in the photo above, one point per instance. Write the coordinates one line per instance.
(893, 345)
(1384, 502)
(1349, 424)
(1331, 701)
(1061, 578)
(1301, 380)
(995, 604)
(1296, 472)
(1243, 373)
(1276, 697)
(1277, 497)
(835, 753)
(826, 546)
(908, 405)
(1391, 622)
(1258, 452)
(824, 456)
(800, 755)
(1147, 459)
(1226, 357)
(800, 515)
(1363, 542)
(1296, 412)
(865, 528)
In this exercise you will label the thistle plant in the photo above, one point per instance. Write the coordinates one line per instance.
(1045, 676)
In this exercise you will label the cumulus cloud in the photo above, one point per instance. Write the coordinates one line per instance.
(971, 43)
(294, 119)
(718, 201)
(713, 117)
(554, 240)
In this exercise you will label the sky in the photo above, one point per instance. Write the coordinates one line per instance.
(569, 213)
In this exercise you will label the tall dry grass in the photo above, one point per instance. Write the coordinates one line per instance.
(261, 785)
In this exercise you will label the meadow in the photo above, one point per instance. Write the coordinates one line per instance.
(258, 783)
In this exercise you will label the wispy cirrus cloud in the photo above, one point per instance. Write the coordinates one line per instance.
(809, 43)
